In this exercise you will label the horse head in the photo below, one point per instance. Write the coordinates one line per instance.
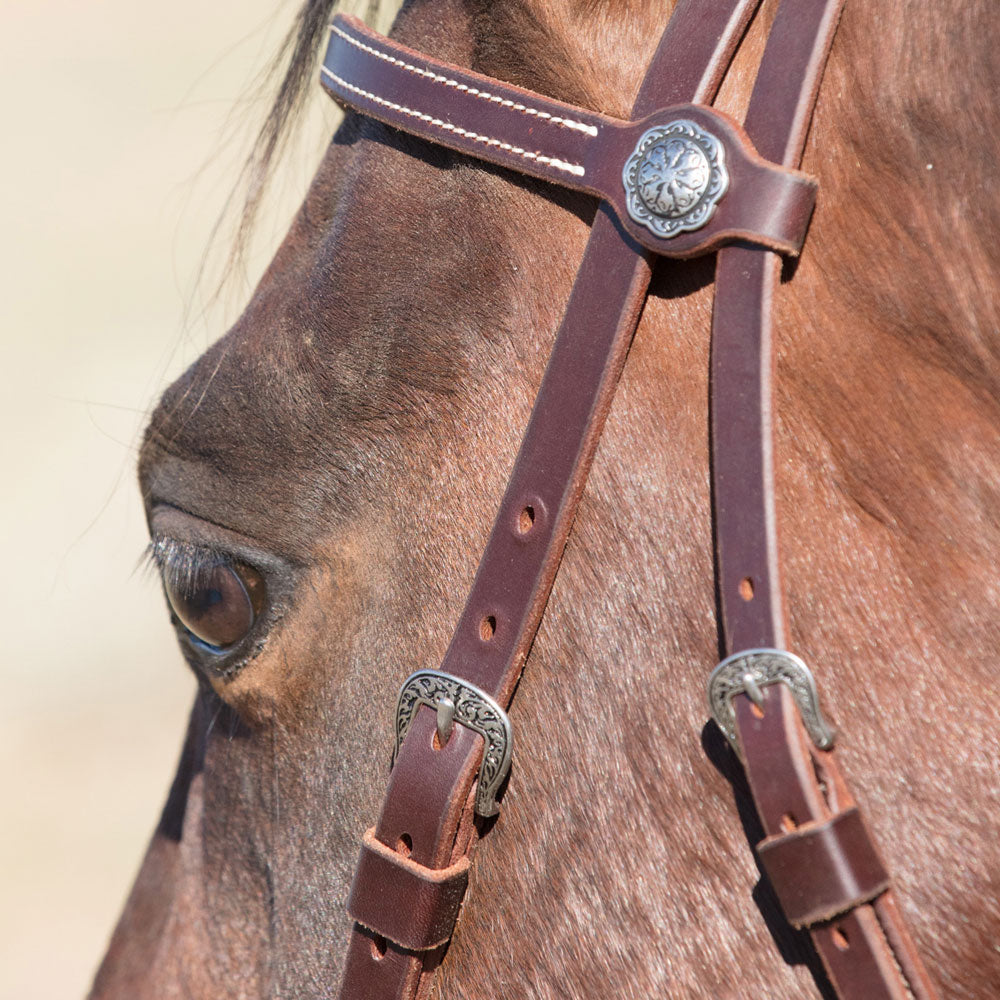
(320, 485)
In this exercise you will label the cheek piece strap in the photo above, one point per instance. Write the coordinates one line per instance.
(678, 180)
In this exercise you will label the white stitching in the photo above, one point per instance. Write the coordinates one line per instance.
(474, 91)
(551, 161)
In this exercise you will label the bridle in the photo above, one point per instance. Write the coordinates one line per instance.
(678, 180)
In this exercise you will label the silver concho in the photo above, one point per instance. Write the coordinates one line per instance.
(675, 178)
(747, 672)
(458, 701)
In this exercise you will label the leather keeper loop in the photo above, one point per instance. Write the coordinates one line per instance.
(820, 870)
(412, 906)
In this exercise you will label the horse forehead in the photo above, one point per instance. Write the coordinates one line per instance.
(239, 389)
(358, 330)
(323, 377)
(245, 436)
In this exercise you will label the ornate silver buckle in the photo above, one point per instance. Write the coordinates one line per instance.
(456, 700)
(747, 672)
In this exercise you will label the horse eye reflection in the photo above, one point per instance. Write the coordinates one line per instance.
(220, 604)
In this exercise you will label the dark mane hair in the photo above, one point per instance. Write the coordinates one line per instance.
(293, 65)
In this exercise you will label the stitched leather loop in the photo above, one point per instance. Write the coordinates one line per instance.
(767, 204)
(412, 906)
(821, 869)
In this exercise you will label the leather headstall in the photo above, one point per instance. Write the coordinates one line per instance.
(678, 180)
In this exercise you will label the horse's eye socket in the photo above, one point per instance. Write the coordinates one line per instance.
(219, 604)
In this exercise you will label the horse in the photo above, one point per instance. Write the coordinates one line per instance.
(333, 463)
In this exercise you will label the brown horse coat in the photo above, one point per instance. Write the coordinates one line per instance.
(351, 435)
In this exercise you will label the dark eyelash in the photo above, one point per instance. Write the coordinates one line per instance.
(182, 565)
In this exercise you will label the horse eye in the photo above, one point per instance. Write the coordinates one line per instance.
(220, 604)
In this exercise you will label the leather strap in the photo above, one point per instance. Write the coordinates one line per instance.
(429, 788)
(794, 783)
(428, 805)
(429, 802)
(866, 950)
(579, 149)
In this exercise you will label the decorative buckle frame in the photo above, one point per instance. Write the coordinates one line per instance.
(456, 700)
(747, 672)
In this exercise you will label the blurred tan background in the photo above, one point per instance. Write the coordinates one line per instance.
(124, 125)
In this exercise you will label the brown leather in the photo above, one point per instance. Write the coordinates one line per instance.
(866, 950)
(395, 897)
(821, 869)
(863, 958)
(428, 801)
(789, 777)
(517, 570)
(579, 149)
(904, 951)
(428, 812)
(750, 597)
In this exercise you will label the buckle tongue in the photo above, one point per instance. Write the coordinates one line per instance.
(747, 672)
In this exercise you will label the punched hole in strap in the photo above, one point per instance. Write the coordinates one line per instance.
(526, 520)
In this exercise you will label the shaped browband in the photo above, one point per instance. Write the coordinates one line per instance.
(683, 182)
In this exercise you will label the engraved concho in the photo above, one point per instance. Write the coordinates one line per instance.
(674, 178)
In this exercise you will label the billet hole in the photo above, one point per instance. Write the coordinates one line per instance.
(526, 520)
(746, 588)
(788, 823)
(840, 938)
(379, 945)
(487, 627)
(404, 845)
(757, 710)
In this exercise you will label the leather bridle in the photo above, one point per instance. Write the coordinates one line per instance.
(678, 180)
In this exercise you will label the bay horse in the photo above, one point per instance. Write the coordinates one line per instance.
(332, 464)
